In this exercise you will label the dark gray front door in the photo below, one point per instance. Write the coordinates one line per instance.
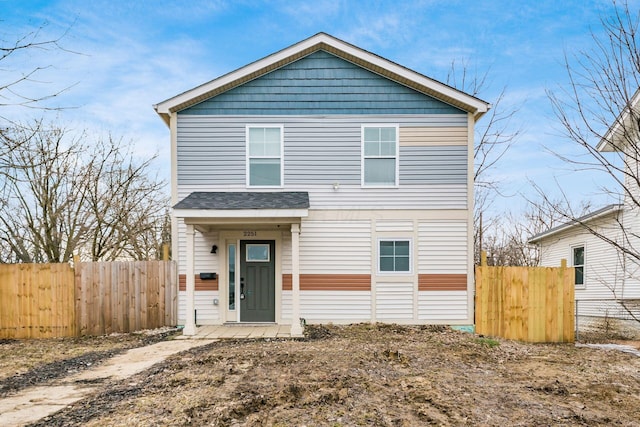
(257, 281)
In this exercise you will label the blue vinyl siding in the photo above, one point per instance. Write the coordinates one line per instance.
(321, 83)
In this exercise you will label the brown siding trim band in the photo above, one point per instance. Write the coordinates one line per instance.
(287, 282)
(201, 285)
(329, 282)
(335, 282)
(442, 282)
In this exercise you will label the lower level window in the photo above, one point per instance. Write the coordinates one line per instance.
(394, 256)
(578, 264)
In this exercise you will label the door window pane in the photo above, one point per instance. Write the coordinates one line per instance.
(258, 252)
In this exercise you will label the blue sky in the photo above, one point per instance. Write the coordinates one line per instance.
(131, 55)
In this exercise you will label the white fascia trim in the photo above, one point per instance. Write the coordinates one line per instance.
(475, 105)
(240, 213)
(604, 144)
(573, 224)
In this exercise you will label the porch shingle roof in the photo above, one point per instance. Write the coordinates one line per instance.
(245, 200)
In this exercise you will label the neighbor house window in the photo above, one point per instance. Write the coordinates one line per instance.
(264, 156)
(578, 264)
(379, 156)
(394, 256)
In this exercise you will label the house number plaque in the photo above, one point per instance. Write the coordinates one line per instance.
(250, 233)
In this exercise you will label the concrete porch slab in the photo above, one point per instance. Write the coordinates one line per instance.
(239, 331)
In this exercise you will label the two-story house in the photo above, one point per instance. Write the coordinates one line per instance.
(323, 183)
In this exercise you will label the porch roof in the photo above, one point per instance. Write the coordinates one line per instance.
(281, 204)
(245, 200)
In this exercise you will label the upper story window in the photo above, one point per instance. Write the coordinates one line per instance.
(264, 156)
(380, 156)
(577, 260)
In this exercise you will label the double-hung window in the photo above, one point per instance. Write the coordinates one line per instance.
(264, 156)
(379, 155)
(577, 258)
(394, 256)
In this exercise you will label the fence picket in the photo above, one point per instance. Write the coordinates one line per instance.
(56, 300)
(534, 304)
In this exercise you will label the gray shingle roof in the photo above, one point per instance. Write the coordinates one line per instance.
(245, 200)
(578, 221)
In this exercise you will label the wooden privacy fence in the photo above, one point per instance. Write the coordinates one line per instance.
(532, 304)
(125, 296)
(53, 300)
(36, 301)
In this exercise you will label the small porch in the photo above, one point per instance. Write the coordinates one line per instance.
(251, 289)
(233, 332)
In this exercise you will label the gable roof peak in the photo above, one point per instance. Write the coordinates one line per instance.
(334, 46)
(624, 128)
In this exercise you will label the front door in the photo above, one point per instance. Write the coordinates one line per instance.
(257, 281)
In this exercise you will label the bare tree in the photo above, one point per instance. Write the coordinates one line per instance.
(63, 195)
(602, 95)
(599, 114)
(42, 216)
(23, 86)
(495, 134)
(127, 206)
(12, 52)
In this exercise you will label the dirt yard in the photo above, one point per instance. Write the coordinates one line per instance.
(373, 375)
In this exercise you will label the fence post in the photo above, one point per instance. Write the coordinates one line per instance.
(577, 320)
(483, 258)
(78, 290)
(165, 252)
(563, 264)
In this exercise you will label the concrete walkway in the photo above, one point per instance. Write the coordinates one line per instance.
(34, 403)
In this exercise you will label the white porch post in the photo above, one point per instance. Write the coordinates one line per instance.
(190, 320)
(296, 328)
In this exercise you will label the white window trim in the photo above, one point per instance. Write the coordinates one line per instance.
(397, 155)
(584, 265)
(395, 239)
(248, 157)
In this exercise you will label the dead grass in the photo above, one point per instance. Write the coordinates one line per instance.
(374, 375)
(25, 363)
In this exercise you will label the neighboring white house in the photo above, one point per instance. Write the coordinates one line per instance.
(600, 245)
(323, 183)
